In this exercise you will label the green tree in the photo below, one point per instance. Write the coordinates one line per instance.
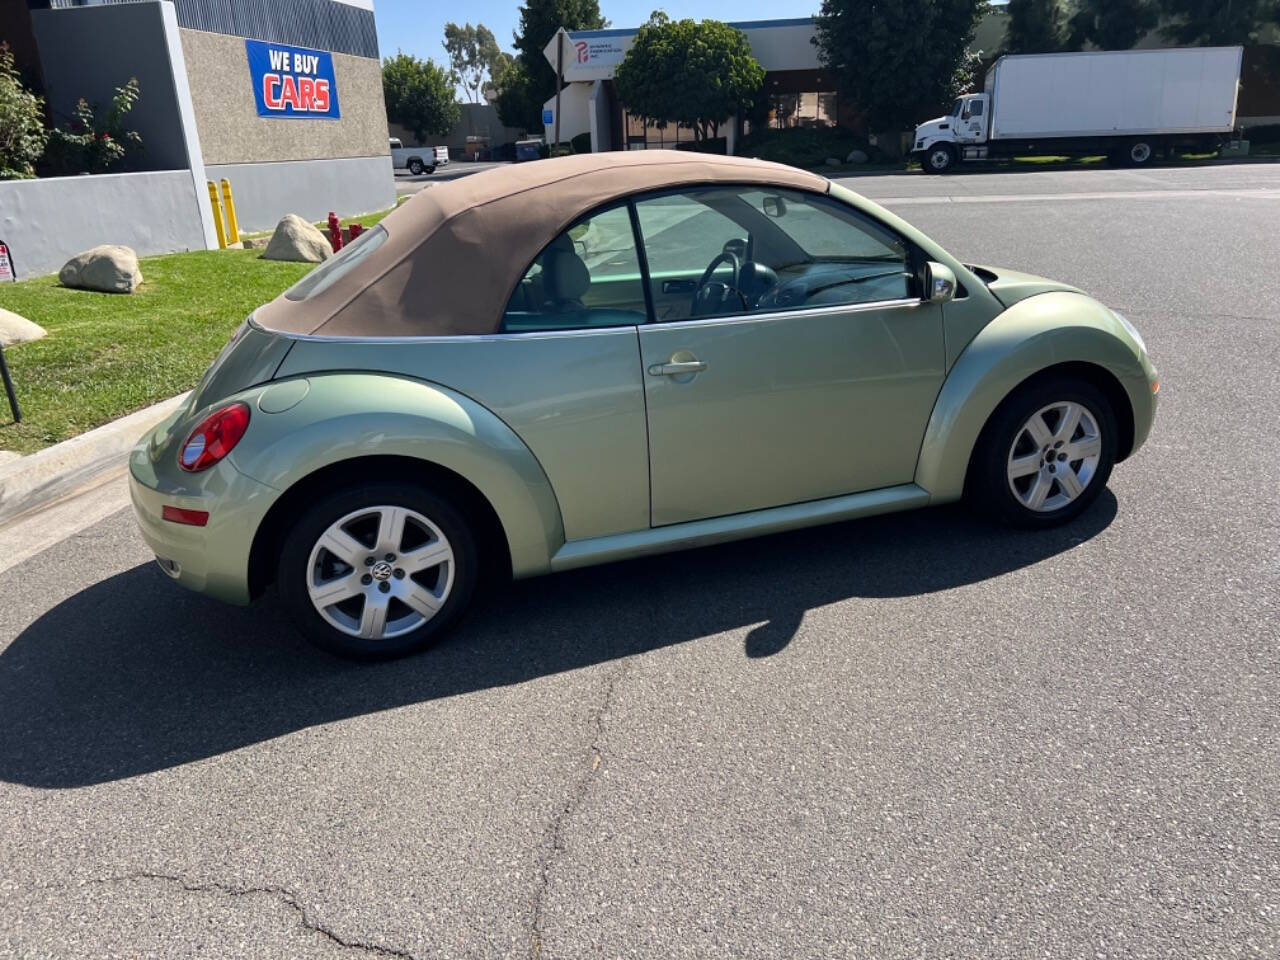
(420, 95)
(90, 145)
(1035, 26)
(22, 133)
(698, 74)
(1112, 24)
(1217, 22)
(897, 60)
(522, 93)
(518, 105)
(474, 55)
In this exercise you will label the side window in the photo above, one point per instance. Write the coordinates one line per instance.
(720, 251)
(589, 276)
(975, 108)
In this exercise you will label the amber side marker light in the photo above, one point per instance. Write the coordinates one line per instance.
(192, 518)
(1155, 387)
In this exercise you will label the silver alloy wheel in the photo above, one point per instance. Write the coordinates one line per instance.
(940, 159)
(380, 572)
(1140, 152)
(1054, 456)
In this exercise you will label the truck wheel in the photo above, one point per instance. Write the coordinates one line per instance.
(1139, 153)
(415, 166)
(939, 159)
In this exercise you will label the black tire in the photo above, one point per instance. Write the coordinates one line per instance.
(295, 568)
(939, 158)
(415, 166)
(431, 169)
(989, 484)
(1139, 153)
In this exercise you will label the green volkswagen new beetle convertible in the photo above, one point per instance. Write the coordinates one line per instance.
(591, 358)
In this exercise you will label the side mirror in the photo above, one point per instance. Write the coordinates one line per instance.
(939, 283)
(775, 206)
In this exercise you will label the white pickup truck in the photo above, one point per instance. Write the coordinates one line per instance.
(417, 159)
(1126, 104)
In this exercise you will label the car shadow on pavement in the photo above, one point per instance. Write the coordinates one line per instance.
(135, 674)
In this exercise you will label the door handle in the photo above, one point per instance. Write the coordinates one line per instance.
(677, 368)
(679, 286)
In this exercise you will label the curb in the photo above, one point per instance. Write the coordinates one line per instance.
(39, 479)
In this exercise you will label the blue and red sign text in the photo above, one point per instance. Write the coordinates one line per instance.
(292, 81)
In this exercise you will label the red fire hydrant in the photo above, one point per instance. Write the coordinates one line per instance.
(335, 232)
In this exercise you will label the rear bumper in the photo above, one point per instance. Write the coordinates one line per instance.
(213, 559)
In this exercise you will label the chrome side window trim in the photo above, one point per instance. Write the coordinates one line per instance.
(630, 329)
(779, 314)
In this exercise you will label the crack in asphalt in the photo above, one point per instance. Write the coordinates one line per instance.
(553, 844)
(283, 894)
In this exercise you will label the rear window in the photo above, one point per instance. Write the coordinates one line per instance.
(328, 273)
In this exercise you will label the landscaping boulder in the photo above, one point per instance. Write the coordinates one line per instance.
(297, 239)
(16, 329)
(107, 267)
(832, 162)
(856, 156)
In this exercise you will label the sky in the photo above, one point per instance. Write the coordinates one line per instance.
(417, 26)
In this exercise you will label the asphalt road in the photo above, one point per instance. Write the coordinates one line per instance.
(913, 736)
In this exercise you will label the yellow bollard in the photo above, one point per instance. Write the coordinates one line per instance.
(217, 215)
(233, 228)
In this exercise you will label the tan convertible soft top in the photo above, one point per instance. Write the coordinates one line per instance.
(454, 252)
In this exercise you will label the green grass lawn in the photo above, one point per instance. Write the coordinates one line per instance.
(108, 354)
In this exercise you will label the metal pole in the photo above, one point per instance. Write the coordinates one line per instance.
(8, 388)
(559, 79)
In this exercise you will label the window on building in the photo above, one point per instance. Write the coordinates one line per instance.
(814, 109)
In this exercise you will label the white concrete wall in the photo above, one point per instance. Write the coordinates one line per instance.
(575, 112)
(47, 222)
(265, 192)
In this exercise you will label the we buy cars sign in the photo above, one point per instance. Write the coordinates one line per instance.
(292, 81)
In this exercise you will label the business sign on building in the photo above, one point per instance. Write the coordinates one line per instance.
(292, 81)
(592, 55)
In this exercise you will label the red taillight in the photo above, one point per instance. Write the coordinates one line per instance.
(193, 518)
(217, 434)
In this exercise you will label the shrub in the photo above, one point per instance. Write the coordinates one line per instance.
(804, 146)
(22, 133)
(85, 148)
(1263, 133)
(713, 145)
(581, 143)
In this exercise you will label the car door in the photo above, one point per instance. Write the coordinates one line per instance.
(811, 375)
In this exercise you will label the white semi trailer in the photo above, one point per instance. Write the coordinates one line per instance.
(1127, 104)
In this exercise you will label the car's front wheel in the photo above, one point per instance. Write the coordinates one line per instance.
(1046, 453)
(377, 571)
(415, 166)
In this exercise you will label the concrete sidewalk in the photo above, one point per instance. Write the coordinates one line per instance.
(42, 495)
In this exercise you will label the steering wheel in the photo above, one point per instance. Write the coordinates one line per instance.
(700, 292)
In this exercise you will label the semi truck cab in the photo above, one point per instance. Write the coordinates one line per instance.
(940, 142)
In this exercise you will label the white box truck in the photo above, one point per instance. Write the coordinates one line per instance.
(1127, 104)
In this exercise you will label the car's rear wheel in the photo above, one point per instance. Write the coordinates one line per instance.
(1046, 453)
(376, 571)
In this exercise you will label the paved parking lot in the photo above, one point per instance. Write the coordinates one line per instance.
(912, 736)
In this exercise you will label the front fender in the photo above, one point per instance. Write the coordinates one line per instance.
(1032, 335)
(343, 416)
